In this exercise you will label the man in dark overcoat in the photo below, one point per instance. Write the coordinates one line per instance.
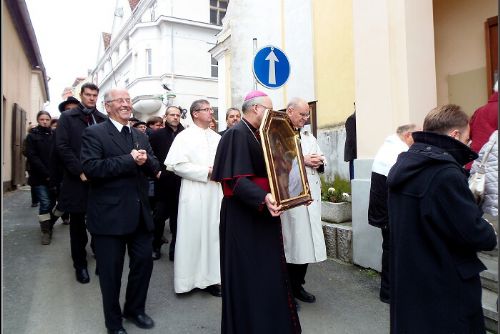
(117, 160)
(168, 186)
(350, 147)
(436, 230)
(74, 188)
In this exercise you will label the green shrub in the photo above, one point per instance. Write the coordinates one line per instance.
(338, 188)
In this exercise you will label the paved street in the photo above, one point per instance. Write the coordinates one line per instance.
(41, 295)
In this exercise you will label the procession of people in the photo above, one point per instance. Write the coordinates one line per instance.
(121, 181)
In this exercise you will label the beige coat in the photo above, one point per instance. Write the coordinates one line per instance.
(302, 230)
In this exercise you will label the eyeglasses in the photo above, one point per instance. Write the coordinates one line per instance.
(258, 104)
(205, 109)
(120, 100)
(304, 115)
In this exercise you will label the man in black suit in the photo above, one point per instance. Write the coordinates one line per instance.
(117, 160)
(74, 188)
(168, 186)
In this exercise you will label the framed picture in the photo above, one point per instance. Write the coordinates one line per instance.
(284, 160)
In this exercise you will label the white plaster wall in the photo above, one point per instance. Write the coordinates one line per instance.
(266, 27)
(332, 141)
(196, 10)
(367, 240)
(298, 48)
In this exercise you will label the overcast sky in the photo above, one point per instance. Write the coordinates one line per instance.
(68, 34)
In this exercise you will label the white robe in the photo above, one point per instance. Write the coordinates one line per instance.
(197, 260)
(303, 237)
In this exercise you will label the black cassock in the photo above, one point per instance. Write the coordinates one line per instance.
(256, 296)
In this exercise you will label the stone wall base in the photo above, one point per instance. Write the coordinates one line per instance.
(338, 239)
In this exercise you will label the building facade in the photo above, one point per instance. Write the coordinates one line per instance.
(24, 89)
(395, 59)
(159, 51)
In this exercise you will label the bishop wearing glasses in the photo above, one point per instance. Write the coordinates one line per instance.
(191, 156)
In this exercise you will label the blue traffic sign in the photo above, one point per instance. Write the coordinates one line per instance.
(271, 67)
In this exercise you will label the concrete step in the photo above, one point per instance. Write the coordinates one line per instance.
(490, 310)
(489, 277)
(338, 240)
(489, 281)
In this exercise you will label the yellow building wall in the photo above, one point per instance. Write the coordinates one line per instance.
(16, 87)
(334, 61)
(461, 51)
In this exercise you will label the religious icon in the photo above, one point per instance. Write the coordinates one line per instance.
(284, 160)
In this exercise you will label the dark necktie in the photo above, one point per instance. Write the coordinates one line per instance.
(126, 134)
(89, 120)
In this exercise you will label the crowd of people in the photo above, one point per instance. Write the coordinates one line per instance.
(121, 179)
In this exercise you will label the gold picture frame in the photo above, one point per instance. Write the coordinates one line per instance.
(284, 160)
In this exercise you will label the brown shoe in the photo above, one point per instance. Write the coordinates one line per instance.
(46, 228)
(46, 238)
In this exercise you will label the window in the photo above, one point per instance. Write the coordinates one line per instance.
(214, 68)
(218, 11)
(149, 62)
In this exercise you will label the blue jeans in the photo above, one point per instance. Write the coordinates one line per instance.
(46, 199)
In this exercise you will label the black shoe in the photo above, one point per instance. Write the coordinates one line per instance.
(117, 331)
(214, 290)
(141, 320)
(156, 254)
(82, 275)
(34, 205)
(384, 299)
(304, 296)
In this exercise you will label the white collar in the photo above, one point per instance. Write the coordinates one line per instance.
(118, 125)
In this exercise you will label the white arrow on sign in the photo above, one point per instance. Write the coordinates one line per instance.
(272, 71)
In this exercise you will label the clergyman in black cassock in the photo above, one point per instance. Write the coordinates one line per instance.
(256, 295)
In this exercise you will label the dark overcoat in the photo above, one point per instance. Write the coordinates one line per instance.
(169, 184)
(73, 194)
(350, 147)
(436, 232)
(38, 144)
(118, 192)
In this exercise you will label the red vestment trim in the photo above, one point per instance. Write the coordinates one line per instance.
(262, 182)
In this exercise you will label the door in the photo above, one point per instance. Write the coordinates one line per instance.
(18, 135)
(491, 35)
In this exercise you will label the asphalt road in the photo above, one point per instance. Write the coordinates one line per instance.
(41, 295)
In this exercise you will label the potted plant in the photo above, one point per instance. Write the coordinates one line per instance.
(336, 200)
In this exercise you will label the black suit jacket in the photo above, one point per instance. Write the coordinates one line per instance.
(169, 184)
(118, 192)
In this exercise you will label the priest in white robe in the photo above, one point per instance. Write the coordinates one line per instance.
(197, 260)
(303, 238)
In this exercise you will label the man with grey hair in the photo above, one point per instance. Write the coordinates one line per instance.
(302, 229)
(233, 116)
(436, 230)
(256, 292)
(117, 160)
(377, 209)
(191, 156)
